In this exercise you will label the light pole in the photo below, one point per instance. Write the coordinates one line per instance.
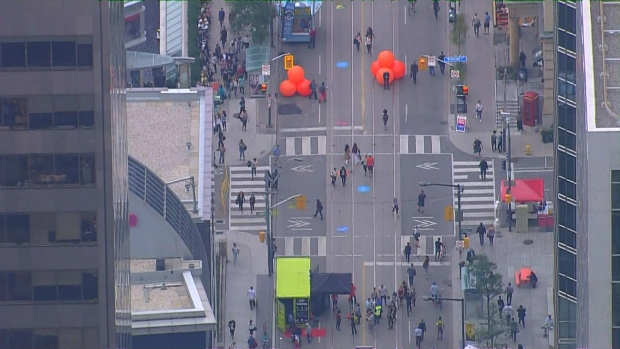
(462, 301)
(508, 168)
(269, 183)
(269, 100)
(459, 189)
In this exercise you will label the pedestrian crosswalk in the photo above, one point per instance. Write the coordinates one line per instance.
(420, 144)
(241, 180)
(478, 196)
(306, 246)
(426, 245)
(309, 145)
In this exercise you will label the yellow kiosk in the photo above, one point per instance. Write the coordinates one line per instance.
(292, 291)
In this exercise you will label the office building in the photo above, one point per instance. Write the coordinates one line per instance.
(64, 233)
(587, 162)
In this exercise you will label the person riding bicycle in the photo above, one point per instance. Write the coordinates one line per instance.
(434, 292)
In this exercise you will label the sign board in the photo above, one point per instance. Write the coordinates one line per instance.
(301, 310)
(289, 62)
(266, 69)
(432, 61)
(455, 59)
(461, 123)
(455, 74)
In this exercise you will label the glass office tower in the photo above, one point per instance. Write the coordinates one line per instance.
(64, 236)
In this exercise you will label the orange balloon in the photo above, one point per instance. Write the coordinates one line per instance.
(374, 67)
(379, 75)
(287, 88)
(386, 59)
(296, 74)
(303, 88)
(399, 69)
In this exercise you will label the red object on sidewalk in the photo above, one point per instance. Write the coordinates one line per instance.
(316, 332)
(530, 109)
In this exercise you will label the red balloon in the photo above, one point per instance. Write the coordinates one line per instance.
(399, 69)
(386, 59)
(374, 67)
(287, 88)
(303, 88)
(296, 74)
(379, 75)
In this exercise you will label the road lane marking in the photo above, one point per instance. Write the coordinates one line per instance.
(404, 144)
(290, 146)
(289, 247)
(306, 147)
(406, 105)
(322, 246)
(319, 64)
(419, 144)
(305, 246)
(322, 144)
(403, 264)
(435, 145)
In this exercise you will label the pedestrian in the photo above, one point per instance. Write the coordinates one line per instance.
(383, 293)
(439, 248)
(491, 234)
(500, 304)
(370, 162)
(481, 231)
(509, 291)
(232, 325)
(343, 176)
(275, 177)
(487, 23)
(425, 265)
(421, 199)
(477, 147)
(354, 151)
(436, 8)
(470, 256)
(222, 150)
(514, 329)
(253, 166)
(235, 252)
(322, 93)
(223, 36)
(494, 141)
(338, 319)
(242, 148)
(369, 44)
(312, 41)
(385, 117)
(221, 15)
(252, 298)
(432, 62)
(251, 328)
(242, 84)
(440, 325)
(479, 111)
(418, 337)
(308, 332)
(442, 63)
(386, 80)
(500, 142)
(334, 298)
(244, 120)
(357, 41)
(365, 165)
(411, 273)
(333, 176)
(313, 89)
(240, 200)
(414, 72)
(484, 166)
(547, 326)
(475, 23)
(319, 209)
(407, 252)
(422, 326)
(347, 153)
(521, 315)
(241, 105)
(395, 206)
(276, 154)
(508, 313)
(224, 120)
(352, 321)
(252, 203)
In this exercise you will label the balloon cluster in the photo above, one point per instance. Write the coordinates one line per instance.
(386, 63)
(296, 83)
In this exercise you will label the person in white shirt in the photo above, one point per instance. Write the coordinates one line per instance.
(252, 298)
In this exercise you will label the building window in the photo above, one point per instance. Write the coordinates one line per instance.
(567, 117)
(15, 171)
(567, 165)
(19, 286)
(47, 112)
(567, 285)
(13, 113)
(13, 55)
(567, 18)
(85, 55)
(48, 228)
(566, 215)
(64, 53)
(50, 286)
(567, 188)
(615, 232)
(39, 54)
(20, 171)
(567, 237)
(567, 318)
(52, 338)
(567, 40)
(567, 139)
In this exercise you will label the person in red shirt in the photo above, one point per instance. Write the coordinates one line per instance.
(370, 163)
(312, 37)
(352, 297)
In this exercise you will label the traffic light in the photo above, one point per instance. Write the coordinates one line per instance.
(263, 88)
(448, 213)
(504, 165)
(261, 236)
(462, 90)
(289, 62)
(422, 64)
(300, 202)
(508, 197)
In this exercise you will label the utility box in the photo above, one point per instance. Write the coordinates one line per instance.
(531, 109)
(522, 214)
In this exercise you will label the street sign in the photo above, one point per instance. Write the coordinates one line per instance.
(461, 123)
(428, 166)
(455, 59)
(266, 69)
(288, 62)
(455, 74)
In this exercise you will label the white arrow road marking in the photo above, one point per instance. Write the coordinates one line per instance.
(424, 223)
(302, 168)
(428, 166)
(298, 223)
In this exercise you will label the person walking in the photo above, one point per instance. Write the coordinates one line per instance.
(313, 89)
(309, 333)
(411, 273)
(484, 166)
(353, 324)
(439, 248)
(548, 326)
(422, 326)
(312, 42)
(491, 234)
(322, 93)
(252, 297)
(232, 325)
(244, 120)
(479, 111)
(418, 337)
(409, 300)
(386, 80)
(407, 252)
(521, 312)
(369, 44)
(357, 41)
(242, 148)
(494, 141)
(235, 252)
(338, 319)
(477, 147)
(365, 165)
(440, 325)
(253, 166)
(514, 329)
(333, 176)
(220, 16)
(425, 265)
(509, 291)
(442, 63)
(432, 62)
(241, 84)
(414, 72)
(421, 199)
(224, 120)
(252, 203)
(500, 304)
(370, 162)
(500, 142)
(395, 207)
(343, 176)
(436, 8)
(508, 313)
(481, 231)
(319, 209)
(475, 23)
(223, 36)
(240, 200)
(487, 23)
(385, 118)
(222, 150)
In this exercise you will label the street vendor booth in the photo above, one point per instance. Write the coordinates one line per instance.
(323, 285)
(527, 200)
(292, 291)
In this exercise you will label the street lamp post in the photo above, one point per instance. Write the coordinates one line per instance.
(269, 183)
(459, 189)
(508, 167)
(462, 301)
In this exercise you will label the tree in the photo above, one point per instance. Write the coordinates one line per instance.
(255, 16)
(489, 283)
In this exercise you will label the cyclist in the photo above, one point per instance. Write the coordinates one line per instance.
(434, 292)
(439, 247)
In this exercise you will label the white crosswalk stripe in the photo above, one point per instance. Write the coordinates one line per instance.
(478, 196)
(306, 246)
(308, 145)
(420, 144)
(241, 180)
(426, 245)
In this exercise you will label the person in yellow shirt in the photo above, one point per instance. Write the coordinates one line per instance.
(440, 326)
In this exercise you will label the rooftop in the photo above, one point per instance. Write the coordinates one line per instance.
(602, 43)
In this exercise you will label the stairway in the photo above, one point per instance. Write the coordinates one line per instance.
(512, 107)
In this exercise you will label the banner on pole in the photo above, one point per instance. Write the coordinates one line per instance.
(461, 123)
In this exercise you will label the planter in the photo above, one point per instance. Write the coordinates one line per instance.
(547, 135)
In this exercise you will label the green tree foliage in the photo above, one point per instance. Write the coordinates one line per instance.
(459, 31)
(252, 15)
(490, 284)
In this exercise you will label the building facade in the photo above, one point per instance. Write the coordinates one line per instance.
(64, 234)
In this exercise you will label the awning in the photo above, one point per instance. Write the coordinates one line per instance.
(525, 190)
(293, 277)
(332, 283)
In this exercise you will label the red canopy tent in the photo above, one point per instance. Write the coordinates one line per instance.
(525, 190)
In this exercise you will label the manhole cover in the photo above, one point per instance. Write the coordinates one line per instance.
(288, 109)
(528, 242)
